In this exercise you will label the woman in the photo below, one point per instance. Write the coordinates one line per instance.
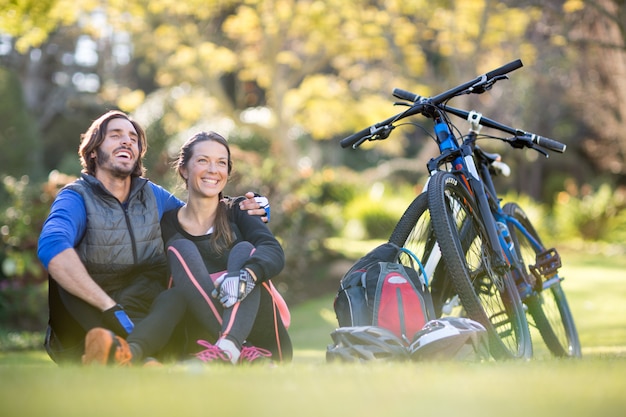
(221, 259)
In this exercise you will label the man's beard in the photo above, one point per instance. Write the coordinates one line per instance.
(115, 170)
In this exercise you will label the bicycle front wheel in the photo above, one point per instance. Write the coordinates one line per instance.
(488, 295)
(547, 307)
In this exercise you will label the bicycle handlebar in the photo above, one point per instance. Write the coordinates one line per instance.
(477, 85)
(520, 135)
(357, 138)
(505, 69)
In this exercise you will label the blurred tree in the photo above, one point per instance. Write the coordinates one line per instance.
(583, 50)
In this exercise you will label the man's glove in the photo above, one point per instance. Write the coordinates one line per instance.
(233, 288)
(264, 203)
(116, 320)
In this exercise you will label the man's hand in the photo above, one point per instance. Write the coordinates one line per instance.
(116, 320)
(256, 205)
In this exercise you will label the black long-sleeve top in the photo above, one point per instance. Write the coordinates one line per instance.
(267, 260)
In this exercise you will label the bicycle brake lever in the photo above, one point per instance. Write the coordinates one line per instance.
(378, 133)
(360, 142)
(520, 142)
(485, 84)
(382, 132)
(540, 150)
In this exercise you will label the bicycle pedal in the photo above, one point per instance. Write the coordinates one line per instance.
(548, 262)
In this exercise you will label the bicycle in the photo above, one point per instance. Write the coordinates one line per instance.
(484, 260)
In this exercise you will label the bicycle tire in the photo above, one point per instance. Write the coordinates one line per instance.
(414, 232)
(548, 308)
(489, 297)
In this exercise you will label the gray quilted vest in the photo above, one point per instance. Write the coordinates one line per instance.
(122, 245)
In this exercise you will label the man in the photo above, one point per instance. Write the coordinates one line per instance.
(101, 242)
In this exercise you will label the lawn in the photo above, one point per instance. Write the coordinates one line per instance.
(594, 385)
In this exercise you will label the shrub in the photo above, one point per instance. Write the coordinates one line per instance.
(23, 292)
(595, 215)
(373, 214)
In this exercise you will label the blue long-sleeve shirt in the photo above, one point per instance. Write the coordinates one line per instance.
(66, 223)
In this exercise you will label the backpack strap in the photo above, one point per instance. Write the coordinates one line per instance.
(414, 260)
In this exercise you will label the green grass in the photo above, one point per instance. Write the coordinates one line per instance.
(594, 385)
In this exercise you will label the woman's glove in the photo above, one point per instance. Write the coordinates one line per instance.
(233, 288)
(116, 320)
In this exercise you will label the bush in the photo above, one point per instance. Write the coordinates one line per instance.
(23, 306)
(373, 214)
(23, 290)
(594, 215)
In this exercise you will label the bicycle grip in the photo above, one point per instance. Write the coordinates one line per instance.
(405, 95)
(547, 143)
(355, 137)
(505, 69)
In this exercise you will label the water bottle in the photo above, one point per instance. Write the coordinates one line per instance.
(506, 235)
(523, 287)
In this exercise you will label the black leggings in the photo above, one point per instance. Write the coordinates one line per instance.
(71, 318)
(255, 320)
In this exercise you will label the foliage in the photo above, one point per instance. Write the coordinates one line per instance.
(584, 214)
(20, 340)
(374, 212)
(23, 306)
(20, 221)
(17, 138)
(308, 211)
(591, 214)
(23, 289)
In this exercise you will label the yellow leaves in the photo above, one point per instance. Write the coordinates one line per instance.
(190, 107)
(470, 27)
(558, 40)
(324, 106)
(318, 104)
(31, 21)
(245, 25)
(168, 37)
(289, 59)
(216, 59)
(571, 6)
(130, 101)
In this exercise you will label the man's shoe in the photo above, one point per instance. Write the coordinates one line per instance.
(103, 347)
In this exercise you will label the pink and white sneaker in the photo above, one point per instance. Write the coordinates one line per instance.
(253, 354)
(212, 353)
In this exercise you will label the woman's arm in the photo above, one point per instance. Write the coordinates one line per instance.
(268, 260)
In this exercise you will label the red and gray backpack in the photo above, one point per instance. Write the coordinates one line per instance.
(380, 291)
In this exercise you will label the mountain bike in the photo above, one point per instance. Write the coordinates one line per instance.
(483, 262)
(534, 267)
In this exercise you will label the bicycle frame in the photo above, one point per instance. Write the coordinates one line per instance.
(461, 158)
(525, 289)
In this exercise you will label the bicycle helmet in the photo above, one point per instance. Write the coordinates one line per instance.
(365, 343)
(450, 338)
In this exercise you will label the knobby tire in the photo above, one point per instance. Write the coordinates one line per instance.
(414, 232)
(488, 296)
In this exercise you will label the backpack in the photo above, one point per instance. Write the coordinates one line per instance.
(380, 291)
